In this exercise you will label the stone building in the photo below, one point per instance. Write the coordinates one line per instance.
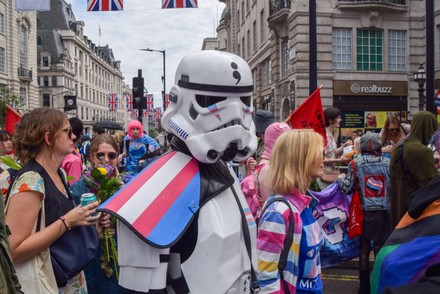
(70, 65)
(367, 53)
(18, 55)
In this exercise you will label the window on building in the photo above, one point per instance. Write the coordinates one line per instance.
(22, 96)
(249, 49)
(2, 23)
(285, 57)
(262, 27)
(254, 35)
(265, 73)
(396, 50)
(243, 48)
(22, 37)
(54, 81)
(242, 11)
(342, 48)
(2, 59)
(46, 100)
(46, 81)
(45, 61)
(369, 49)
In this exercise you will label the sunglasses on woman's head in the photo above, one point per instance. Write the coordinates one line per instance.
(110, 155)
(68, 131)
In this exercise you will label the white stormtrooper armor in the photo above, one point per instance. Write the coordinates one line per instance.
(210, 111)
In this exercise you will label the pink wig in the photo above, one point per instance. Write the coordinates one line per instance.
(134, 124)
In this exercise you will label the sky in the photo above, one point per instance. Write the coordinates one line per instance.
(143, 24)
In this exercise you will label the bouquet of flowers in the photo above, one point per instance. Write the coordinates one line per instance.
(104, 184)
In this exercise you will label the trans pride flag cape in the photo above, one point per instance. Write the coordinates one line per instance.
(161, 201)
(332, 215)
(412, 247)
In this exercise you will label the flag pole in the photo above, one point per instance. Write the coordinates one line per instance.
(13, 110)
(287, 120)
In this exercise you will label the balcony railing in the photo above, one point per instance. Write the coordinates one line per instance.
(277, 5)
(25, 73)
(402, 2)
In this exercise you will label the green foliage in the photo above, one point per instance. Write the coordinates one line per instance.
(6, 97)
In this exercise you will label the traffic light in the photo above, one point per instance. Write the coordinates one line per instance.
(138, 92)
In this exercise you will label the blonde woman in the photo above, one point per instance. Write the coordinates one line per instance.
(296, 159)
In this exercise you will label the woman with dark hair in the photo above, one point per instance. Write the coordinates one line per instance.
(42, 139)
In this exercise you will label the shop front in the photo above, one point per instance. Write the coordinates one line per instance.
(365, 105)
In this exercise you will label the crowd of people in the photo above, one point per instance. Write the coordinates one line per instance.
(184, 221)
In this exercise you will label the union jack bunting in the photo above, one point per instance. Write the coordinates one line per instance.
(167, 100)
(129, 102)
(112, 102)
(144, 113)
(150, 102)
(179, 4)
(105, 5)
(134, 113)
(157, 114)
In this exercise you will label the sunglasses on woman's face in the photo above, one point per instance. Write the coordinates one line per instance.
(110, 155)
(394, 130)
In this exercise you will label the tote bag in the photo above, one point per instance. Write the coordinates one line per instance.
(36, 274)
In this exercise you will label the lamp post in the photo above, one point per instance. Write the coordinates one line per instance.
(420, 77)
(163, 77)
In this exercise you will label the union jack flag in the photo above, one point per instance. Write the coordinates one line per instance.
(105, 5)
(144, 113)
(157, 114)
(150, 102)
(179, 4)
(112, 102)
(129, 102)
(134, 113)
(167, 100)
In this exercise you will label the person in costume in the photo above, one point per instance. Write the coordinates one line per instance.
(184, 224)
(136, 146)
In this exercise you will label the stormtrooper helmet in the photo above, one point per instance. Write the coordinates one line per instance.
(210, 106)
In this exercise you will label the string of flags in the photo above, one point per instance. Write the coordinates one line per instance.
(100, 5)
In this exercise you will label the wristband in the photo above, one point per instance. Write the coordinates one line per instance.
(66, 224)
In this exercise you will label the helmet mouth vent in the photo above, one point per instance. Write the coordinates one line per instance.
(234, 122)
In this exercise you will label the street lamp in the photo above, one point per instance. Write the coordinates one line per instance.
(163, 77)
(420, 77)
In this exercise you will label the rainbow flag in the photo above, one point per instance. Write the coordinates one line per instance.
(412, 248)
(160, 202)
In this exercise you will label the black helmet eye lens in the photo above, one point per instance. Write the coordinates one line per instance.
(206, 101)
(246, 100)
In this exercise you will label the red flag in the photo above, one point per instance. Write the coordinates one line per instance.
(310, 115)
(12, 117)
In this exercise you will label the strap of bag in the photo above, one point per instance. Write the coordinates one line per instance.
(287, 241)
(255, 287)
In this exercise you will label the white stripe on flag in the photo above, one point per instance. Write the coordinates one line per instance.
(137, 204)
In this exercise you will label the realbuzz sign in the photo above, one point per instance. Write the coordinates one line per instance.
(374, 89)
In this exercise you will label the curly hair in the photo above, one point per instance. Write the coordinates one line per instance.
(28, 138)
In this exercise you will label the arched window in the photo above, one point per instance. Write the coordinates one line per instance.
(54, 81)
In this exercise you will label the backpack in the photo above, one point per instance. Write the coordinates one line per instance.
(287, 241)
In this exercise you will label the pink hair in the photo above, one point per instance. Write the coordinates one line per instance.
(134, 124)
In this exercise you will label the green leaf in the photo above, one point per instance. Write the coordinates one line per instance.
(11, 162)
(70, 178)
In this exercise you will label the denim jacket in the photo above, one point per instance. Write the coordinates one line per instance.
(373, 176)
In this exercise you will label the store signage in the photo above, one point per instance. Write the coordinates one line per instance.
(374, 89)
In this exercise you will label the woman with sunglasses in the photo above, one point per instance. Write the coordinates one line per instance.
(42, 139)
(392, 134)
(103, 151)
(5, 147)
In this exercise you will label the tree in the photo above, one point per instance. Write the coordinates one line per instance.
(6, 97)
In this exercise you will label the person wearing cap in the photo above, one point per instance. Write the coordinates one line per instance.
(72, 163)
(262, 119)
(370, 173)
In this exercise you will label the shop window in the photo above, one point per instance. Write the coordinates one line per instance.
(396, 50)
(369, 49)
(342, 48)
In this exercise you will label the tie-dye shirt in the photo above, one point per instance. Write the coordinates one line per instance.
(303, 268)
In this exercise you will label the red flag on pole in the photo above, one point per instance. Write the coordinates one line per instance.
(310, 115)
(12, 117)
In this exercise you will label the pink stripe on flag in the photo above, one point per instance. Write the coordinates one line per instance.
(131, 188)
(158, 208)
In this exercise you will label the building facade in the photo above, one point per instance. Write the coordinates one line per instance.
(72, 68)
(18, 55)
(367, 53)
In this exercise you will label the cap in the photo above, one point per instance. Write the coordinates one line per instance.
(370, 142)
(262, 119)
